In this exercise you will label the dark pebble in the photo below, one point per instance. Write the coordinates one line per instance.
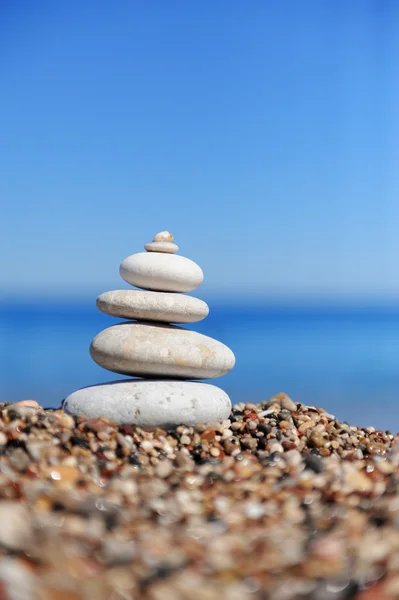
(264, 428)
(133, 461)
(77, 441)
(119, 453)
(11, 444)
(314, 463)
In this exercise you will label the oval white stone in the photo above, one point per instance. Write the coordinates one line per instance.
(153, 306)
(148, 349)
(150, 404)
(162, 272)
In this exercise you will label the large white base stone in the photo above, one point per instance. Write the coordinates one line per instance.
(151, 403)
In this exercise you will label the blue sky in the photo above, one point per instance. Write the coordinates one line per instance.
(263, 134)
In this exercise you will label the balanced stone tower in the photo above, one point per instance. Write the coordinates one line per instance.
(162, 357)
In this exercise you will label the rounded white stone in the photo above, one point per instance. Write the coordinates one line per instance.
(168, 247)
(161, 272)
(152, 306)
(149, 349)
(150, 404)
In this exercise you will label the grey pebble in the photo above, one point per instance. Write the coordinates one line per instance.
(314, 463)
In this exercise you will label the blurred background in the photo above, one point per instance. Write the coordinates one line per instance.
(263, 135)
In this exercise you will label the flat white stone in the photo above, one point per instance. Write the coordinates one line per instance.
(161, 272)
(152, 306)
(168, 247)
(149, 349)
(150, 404)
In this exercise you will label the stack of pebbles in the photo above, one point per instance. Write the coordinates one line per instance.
(164, 356)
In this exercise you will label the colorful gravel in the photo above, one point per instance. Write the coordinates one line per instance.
(280, 502)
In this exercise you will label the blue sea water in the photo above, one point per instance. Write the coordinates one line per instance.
(345, 360)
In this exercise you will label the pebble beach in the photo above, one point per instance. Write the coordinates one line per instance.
(281, 501)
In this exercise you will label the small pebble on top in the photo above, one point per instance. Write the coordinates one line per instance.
(162, 242)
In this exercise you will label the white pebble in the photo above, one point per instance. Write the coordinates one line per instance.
(254, 510)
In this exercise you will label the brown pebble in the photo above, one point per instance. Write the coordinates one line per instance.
(284, 401)
(288, 445)
(317, 440)
(249, 442)
(61, 474)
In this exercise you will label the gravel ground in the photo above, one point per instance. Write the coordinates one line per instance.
(280, 502)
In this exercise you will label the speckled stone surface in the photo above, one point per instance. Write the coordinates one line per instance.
(150, 349)
(154, 306)
(151, 403)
